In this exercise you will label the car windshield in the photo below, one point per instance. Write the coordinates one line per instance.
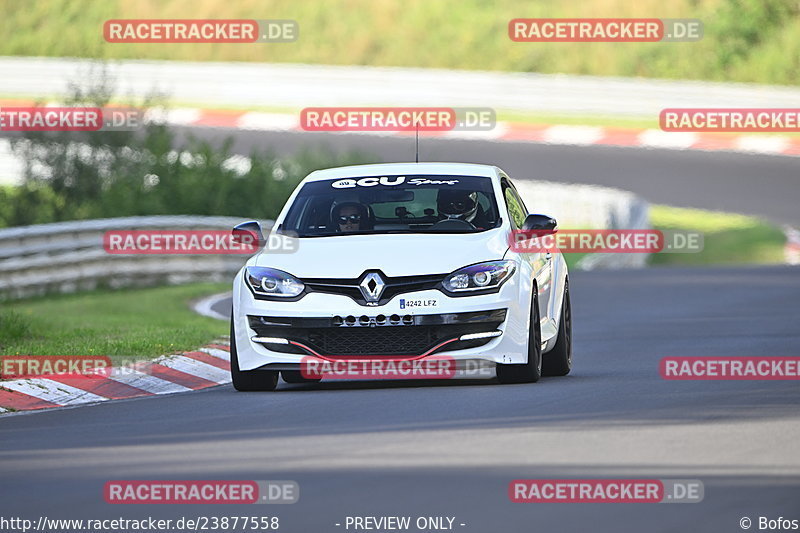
(393, 204)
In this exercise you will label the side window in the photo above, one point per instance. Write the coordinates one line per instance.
(516, 209)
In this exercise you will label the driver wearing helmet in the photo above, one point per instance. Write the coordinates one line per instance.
(462, 205)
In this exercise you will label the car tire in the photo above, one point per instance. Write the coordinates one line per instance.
(250, 380)
(295, 376)
(531, 371)
(558, 361)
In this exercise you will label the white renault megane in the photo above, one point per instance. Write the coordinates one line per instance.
(399, 261)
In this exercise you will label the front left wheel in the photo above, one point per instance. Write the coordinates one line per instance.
(250, 380)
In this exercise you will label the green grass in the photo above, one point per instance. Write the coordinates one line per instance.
(744, 40)
(728, 238)
(573, 259)
(123, 324)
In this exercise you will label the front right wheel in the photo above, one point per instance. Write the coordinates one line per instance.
(249, 380)
(531, 371)
(295, 376)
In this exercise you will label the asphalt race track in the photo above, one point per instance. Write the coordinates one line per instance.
(450, 449)
(763, 185)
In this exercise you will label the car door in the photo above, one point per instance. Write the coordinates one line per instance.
(541, 263)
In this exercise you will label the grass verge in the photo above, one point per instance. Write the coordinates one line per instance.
(729, 239)
(125, 324)
(743, 40)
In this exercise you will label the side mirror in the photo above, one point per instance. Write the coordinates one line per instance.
(541, 223)
(248, 234)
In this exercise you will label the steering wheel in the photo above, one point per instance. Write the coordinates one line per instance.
(453, 224)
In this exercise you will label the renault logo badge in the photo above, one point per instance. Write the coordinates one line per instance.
(372, 287)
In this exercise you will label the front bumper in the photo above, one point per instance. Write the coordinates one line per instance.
(406, 336)
(334, 327)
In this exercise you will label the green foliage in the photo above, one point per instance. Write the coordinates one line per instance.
(83, 175)
(744, 40)
(28, 204)
(124, 324)
(742, 25)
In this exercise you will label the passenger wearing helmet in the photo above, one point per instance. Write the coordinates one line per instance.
(461, 205)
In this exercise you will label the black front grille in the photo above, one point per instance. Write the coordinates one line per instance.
(398, 340)
(330, 337)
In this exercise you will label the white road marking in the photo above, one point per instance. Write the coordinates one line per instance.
(766, 145)
(268, 121)
(205, 306)
(667, 139)
(196, 368)
(580, 135)
(52, 391)
(146, 382)
(179, 116)
(222, 354)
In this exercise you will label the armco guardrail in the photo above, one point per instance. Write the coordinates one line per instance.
(69, 256)
(590, 207)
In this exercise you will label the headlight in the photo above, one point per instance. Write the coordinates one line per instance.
(271, 282)
(489, 275)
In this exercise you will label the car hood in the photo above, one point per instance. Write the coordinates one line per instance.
(348, 256)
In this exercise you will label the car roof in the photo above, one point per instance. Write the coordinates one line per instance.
(390, 169)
